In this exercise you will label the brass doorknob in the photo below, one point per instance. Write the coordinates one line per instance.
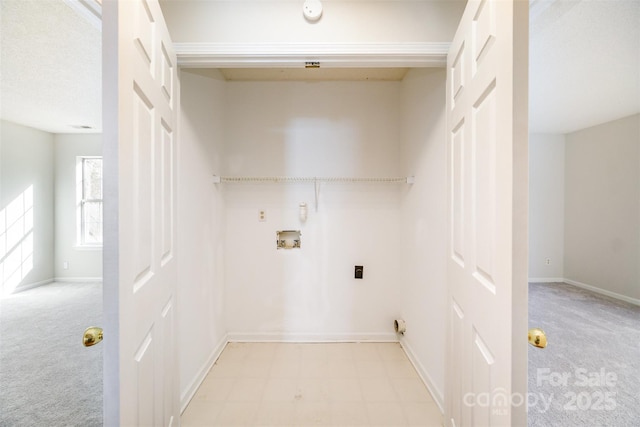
(537, 338)
(92, 336)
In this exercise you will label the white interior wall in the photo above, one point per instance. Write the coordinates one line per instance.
(343, 129)
(424, 224)
(602, 207)
(201, 217)
(26, 206)
(259, 21)
(83, 263)
(546, 207)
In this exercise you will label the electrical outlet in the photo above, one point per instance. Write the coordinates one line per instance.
(65, 265)
(548, 261)
(358, 272)
(262, 215)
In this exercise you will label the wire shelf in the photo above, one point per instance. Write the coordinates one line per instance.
(315, 180)
(311, 179)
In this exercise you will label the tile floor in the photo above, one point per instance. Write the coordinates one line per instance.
(332, 384)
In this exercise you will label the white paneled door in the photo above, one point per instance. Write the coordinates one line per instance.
(140, 89)
(487, 250)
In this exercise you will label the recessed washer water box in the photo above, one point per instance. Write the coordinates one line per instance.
(288, 239)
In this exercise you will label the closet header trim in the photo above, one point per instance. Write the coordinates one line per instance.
(294, 55)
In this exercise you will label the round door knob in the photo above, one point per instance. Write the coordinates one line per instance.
(537, 338)
(92, 336)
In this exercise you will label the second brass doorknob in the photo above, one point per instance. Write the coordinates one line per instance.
(92, 336)
(537, 338)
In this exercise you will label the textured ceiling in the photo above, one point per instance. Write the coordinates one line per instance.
(584, 65)
(50, 74)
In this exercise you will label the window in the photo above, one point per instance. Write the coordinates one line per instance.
(90, 201)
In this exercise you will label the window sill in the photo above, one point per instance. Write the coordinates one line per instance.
(87, 248)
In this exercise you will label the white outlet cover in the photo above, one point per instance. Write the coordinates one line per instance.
(312, 10)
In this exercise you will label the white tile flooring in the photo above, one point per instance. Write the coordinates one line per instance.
(328, 384)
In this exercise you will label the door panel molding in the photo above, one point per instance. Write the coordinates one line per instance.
(141, 99)
(487, 163)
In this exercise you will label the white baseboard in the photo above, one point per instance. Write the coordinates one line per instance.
(34, 285)
(546, 279)
(310, 337)
(422, 372)
(28, 286)
(77, 279)
(585, 286)
(192, 388)
(603, 291)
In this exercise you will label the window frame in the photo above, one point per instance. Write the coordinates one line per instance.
(82, 201)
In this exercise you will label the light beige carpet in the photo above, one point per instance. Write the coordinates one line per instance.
(47, 377)
(589, 374)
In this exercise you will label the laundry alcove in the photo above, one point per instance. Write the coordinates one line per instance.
(349, 127)
(271, 119)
